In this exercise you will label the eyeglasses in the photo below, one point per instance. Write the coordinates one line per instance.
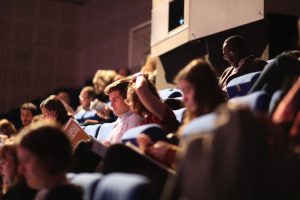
(229, 56)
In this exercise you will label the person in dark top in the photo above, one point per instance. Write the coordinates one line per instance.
(44, 154)
(14, 185)
(237, 54)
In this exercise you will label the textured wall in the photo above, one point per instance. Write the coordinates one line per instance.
(45, 44)
(39, 49)
(105, 28)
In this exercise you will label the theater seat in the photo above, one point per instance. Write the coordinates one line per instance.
(82, 117)
(93, 130)
(121, 186)
(154, 131)
(276, 97)
(169, 93)
(256, 101)
(239, 86)
(104, 131)
(179, 114)
(87, 181)
(200, 125)
(79, 117)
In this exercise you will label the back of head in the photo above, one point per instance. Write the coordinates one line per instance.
(52, 103)
(103, 78)
(49, 144)
(7, 128)
(203, 79)
(237, 45)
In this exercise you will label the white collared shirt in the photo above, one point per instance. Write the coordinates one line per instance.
(125, 122)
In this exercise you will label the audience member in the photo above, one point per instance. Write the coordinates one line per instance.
(52, 108)
(236, 52)
(27, 112)
(101, 79)
(144, 100)
(284, 67)
(117, 93)
(44, 154)
(14, 184)
(86, 96)
(124, 71)
(150, 68)
(7, 128)
(65, 98)
(202, 95)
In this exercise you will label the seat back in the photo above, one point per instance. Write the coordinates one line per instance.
(154, 131)
(179, 114)
(276, 96)
(169, 93)
(204, 123)
(256, 101)
(104, 131)
(239, 86)
(93, 130)
(87, 181)
(121, 186)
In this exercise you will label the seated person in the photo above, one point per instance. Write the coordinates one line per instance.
(101, 80)
(236, 52)
(201, 95)
(53, 109)
(7, 129)
(145, 101)
(14, 185)
(117, 93)
(44, 153)
(86, 96)
(27, 112)
(65, 98)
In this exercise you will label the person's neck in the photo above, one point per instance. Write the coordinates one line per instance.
(56, 180)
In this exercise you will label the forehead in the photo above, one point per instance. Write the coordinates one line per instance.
(114, 94)
(226, 47)
(25, 111)
(184, 84)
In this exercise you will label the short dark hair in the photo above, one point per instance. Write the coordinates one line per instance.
(120, 85)
(238, 45)
(49, 144)
(29, 106)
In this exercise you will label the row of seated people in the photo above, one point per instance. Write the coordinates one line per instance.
(237, 139)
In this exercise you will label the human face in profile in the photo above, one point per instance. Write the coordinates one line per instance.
(32, 168)
(188, 94)
(229, 55)
(118, 104)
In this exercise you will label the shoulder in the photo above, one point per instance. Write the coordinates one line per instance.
(134, 118)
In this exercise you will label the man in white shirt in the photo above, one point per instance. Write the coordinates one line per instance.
(117, 93)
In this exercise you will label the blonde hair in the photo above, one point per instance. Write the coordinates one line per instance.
(103, 78)
(7, 128)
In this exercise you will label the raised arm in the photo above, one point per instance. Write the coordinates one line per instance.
(151, 102)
